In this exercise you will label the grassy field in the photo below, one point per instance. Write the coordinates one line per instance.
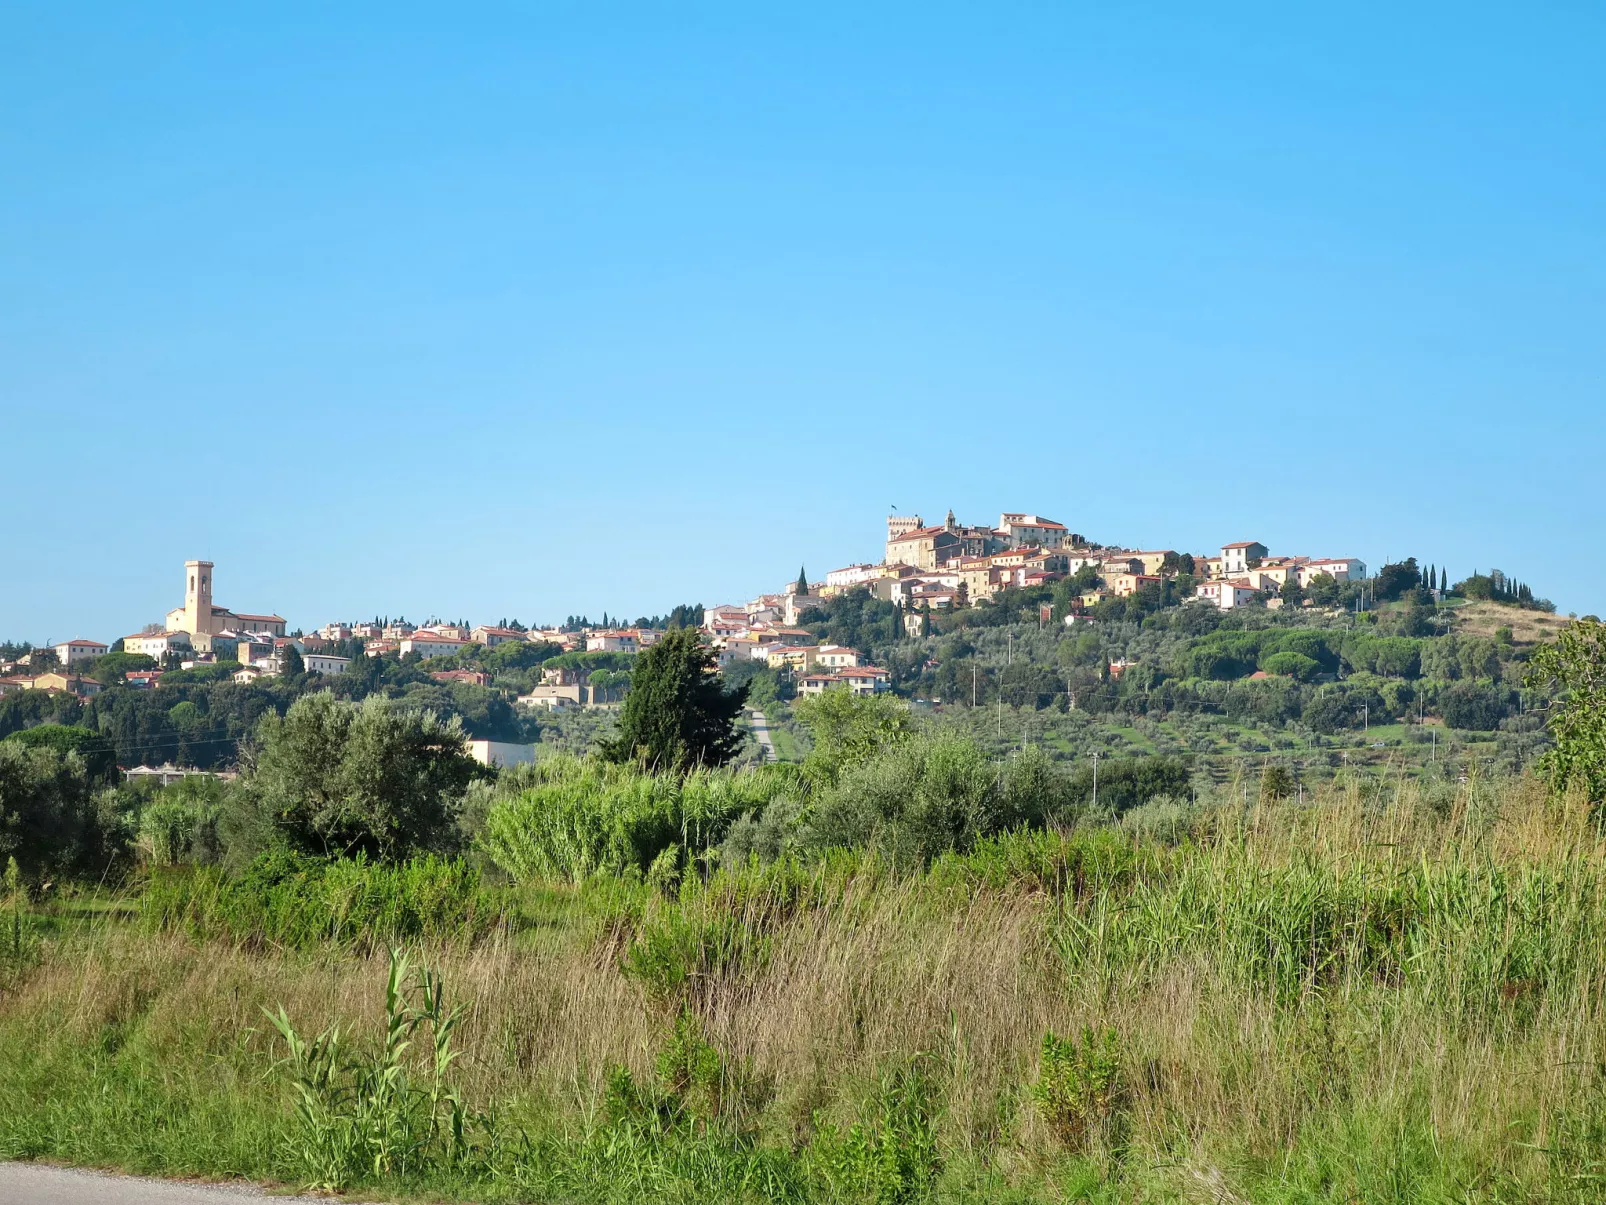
(1527, 627)
(1394, 993)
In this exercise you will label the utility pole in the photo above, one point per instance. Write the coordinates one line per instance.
(972, 683)
(1095, 781)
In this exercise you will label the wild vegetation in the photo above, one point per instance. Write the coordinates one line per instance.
(902, 970)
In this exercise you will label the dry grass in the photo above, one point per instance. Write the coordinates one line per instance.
(1374, 1080)
(1527, 627)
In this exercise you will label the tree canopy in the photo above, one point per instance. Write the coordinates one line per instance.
(1576, 664)
(335, 778)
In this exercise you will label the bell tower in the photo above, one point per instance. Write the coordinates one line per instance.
(198, 596)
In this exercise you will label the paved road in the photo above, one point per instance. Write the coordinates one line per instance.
(761, 733)
(38, 1184)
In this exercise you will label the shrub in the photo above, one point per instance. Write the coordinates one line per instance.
(181, 823)
(585, 818)
(915, 799)
(676, 956)
(892, 1156)
(1079, 1089)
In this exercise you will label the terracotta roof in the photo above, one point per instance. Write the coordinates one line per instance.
(1242, 544)
(93, 644)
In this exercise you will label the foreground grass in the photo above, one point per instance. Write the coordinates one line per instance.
(1373, 998)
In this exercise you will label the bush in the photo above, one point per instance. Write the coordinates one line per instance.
(181, 823)
(892, 1156)
(585, 818)
(922, 797)
(1127, 782)
(1079, 1088)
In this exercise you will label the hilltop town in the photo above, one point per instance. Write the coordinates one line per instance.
(925, 569)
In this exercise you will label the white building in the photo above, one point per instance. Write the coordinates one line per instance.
(1022, 531)
(864, 680)
(501, 753)
(853, 575)
(836, 656)
(70, 651)
(555, 698)
(157, 644)
(1343, 568)
(613, 642)
(1227, 593)
(323, 663)
(1235, 558)
(428, 644)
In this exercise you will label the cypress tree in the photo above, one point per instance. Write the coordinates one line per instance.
(678, 714)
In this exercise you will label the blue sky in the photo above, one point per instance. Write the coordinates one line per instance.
(532, 310)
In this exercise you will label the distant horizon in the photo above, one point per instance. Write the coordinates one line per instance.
(540, 311)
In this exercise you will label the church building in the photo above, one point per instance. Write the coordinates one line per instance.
(200, 618)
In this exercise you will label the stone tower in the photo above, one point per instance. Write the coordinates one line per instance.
(897, 527)
(197, 596)
(901, 525)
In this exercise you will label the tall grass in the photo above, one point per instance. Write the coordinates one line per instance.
(1382, 995)
(291, 901)
(580, 818)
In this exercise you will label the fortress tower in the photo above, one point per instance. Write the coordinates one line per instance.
(902, 525)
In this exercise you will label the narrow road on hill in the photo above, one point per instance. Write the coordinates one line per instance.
(39, 1184)
(761, 733)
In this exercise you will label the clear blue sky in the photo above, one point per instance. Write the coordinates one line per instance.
(528, 310)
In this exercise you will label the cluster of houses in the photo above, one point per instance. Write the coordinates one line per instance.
(440, 639)
(196, 633)
(926, 568)
(954, 565)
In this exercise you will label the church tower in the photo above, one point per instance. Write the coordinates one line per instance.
(197, 596)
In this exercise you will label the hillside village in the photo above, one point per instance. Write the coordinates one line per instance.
(930, 579)
(925, 569)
